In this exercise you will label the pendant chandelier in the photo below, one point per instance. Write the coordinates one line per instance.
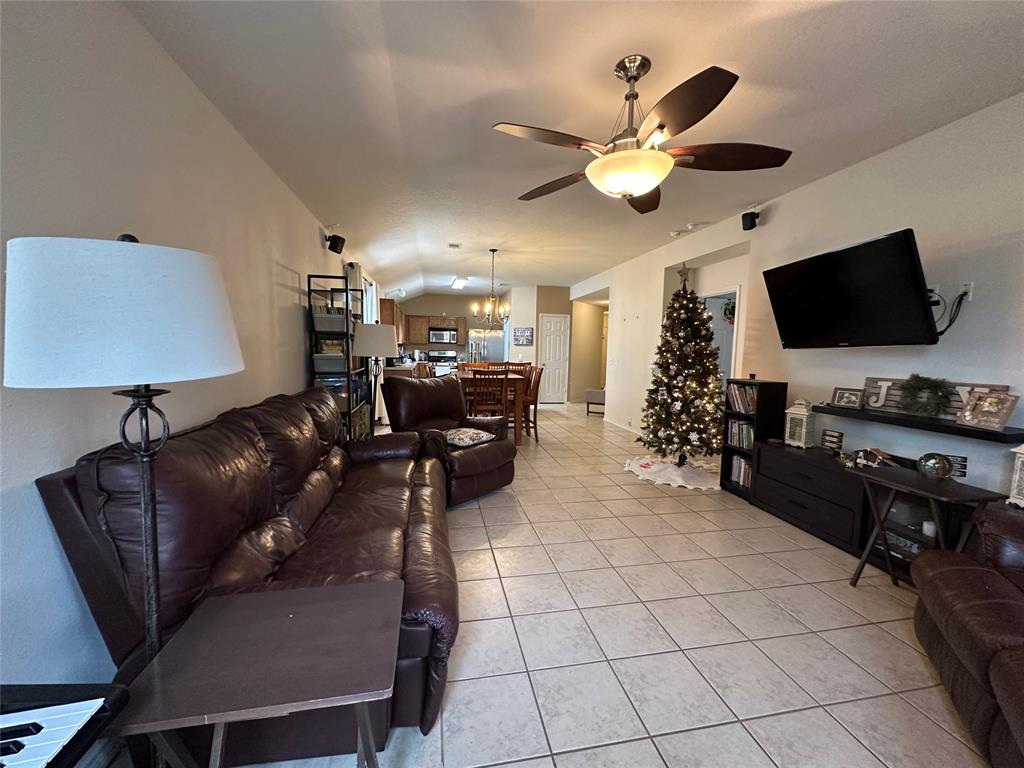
(494, 315)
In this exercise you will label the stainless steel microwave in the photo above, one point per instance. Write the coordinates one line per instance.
(443, 336)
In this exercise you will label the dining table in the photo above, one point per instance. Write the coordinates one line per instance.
(518, 384)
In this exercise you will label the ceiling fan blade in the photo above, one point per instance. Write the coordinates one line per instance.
(554, 186)
(546, 136)
(729, 157)
(647, 202)
(689, 102)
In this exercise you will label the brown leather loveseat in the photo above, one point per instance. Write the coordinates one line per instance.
(970, 621)
(260, 498)
(431, 406)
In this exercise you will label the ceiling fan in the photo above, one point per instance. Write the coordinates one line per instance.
(632, 163)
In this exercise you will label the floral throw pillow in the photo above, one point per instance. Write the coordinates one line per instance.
(463, 437)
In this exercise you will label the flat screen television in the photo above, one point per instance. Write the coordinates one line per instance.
(871, 294)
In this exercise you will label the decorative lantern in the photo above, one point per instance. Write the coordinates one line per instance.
(1017, 484)
(799, 424)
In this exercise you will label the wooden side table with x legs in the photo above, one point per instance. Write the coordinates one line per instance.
(268, 654)
(937, 491)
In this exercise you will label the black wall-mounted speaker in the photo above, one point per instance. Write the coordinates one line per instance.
(749, 220)
(335, 243)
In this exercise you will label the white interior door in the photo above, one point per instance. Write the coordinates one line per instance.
(553, 357)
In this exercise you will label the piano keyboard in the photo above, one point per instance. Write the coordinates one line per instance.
(31, 738)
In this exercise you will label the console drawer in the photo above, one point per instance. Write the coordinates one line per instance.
(814, 514)
(833, 485)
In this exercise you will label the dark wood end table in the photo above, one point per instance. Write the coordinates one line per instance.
(936, 491)
(267, 654)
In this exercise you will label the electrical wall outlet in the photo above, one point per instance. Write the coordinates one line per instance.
(968, 288)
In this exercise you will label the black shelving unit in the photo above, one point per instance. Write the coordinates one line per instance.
(926, 423)
(332, 324)
(755, 411)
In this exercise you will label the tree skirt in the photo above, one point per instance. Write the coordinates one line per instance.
(702, 476)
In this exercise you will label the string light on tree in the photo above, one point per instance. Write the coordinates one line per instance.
(683, 412)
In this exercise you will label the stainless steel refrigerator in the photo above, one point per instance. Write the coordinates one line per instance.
(486, 346)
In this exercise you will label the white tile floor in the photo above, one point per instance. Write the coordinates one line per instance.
(608, 622)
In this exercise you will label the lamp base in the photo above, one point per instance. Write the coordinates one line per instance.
(145, 451)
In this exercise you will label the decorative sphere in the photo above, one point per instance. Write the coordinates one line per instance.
(935, 465)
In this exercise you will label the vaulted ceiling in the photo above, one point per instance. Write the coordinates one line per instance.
(378, 114)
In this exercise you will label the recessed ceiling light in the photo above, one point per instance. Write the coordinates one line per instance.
(459, 283)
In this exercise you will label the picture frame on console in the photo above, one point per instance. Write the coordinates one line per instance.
(987, 410)
(846, 397)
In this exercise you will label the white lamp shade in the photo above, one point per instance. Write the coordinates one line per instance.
(374, 340)
(629, 172)
(103, 313)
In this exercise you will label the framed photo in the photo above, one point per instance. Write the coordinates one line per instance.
(843, 397)
(522, 337)
(987, 410)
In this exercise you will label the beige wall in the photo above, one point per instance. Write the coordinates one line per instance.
(553, 300)
(523, 300)
(587, 332)
(103, 134)
(965, 208)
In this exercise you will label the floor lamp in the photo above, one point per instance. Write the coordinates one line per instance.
(376, 342)
(105, 313)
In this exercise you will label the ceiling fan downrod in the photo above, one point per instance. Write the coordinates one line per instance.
(630, 69)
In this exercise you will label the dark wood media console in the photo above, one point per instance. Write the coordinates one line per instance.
(806, 487)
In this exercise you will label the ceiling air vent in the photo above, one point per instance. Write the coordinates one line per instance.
(454, 246)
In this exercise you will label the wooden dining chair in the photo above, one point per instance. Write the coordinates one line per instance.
(531, 400)
(488, 392)
(520, 369)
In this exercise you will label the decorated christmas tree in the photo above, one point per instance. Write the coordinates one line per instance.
(683, 413)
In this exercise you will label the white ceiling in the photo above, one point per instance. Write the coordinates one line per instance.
(378, 114)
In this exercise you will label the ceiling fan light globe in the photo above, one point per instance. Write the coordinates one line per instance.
(629, 172)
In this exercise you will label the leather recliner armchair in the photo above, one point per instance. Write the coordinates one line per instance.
(970, 620)
(429, 407)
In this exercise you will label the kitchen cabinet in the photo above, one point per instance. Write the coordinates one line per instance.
(462, 329)
(390, 313)
(417, 328)
(442, 321)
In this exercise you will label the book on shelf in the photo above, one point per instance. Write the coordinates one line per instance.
(741, 472)
(742, 397)
(740, 434)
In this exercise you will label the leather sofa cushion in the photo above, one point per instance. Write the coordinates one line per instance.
(323, 410)
(372, 554)
(396, 445)
(359, 536)
(368, 477)
(478, 459)
(256, 554)
(304, 507)
(978, 611)
(291, 440)
(213, 482)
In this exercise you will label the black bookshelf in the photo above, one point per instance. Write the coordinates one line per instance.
(755, 411)
(332, 321)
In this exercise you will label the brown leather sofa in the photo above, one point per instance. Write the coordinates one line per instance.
(970, 621)
(267, 498)
(431, 406)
